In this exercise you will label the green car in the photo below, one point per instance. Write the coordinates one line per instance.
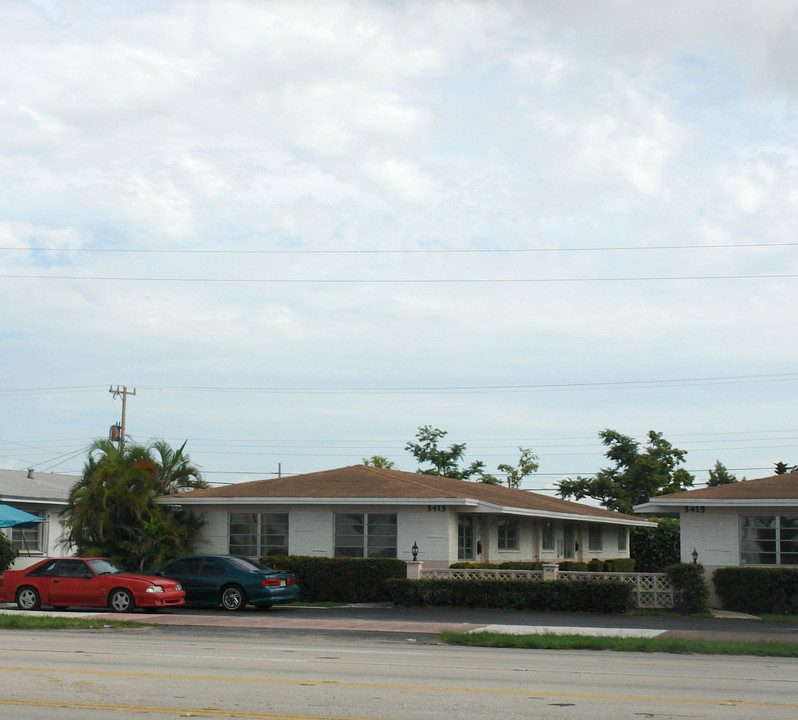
(230, 581)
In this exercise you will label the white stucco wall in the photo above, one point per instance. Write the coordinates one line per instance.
(714, 534)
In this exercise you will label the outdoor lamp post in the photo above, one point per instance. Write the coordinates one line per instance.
(695, 556)
(414, 550)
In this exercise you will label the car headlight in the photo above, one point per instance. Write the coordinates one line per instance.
(154, 588)
(178, 587)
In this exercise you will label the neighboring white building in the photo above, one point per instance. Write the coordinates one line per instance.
(751, 522)
(42, 494)
(363, 511)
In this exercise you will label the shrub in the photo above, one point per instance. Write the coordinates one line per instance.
(654, 549)
(8, 553)
(351, 580)
(598, 596)
(572, 566)
(757, 590)
(691, 589)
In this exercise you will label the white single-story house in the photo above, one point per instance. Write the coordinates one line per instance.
(751, 522)
(42, 494)
(364, 511)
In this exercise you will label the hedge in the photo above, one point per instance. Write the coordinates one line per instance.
(596, 596)
(349, 580)
(690, 587)
(595, 565)
(757, 590)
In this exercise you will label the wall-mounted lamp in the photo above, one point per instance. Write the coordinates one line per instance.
(414, 550)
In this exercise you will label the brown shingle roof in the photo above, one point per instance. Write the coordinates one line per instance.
(362, 481)
(776, 487)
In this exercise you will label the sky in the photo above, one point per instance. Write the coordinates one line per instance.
(302, 229)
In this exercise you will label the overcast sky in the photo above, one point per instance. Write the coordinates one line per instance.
(302, 229)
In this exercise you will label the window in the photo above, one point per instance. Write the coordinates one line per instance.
(622, 535)
(594, 539)
(258, 534)
(465, 537)
(547, 537)
(359, 535)
(768, 540)
(29, 539)
(73, 569)
(508, 534)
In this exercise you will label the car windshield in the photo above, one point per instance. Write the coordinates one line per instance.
(103, 567)
(249, 565)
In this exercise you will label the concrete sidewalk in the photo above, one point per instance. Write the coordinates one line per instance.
(383, 618)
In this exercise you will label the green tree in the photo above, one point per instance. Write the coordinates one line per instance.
(654, 549)
(782, 468)
(112, 510)
(8, 553)
(636, 475)
(445, 461)
(515, 474)
(719, 475)
(380, 462)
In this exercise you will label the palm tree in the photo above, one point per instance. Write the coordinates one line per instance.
(113, 511)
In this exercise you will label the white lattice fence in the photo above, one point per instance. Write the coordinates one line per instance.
(651, 590)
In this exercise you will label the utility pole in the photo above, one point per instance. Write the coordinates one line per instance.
(124, 392)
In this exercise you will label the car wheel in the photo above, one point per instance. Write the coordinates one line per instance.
(234, 598)
(28, 598)
(120, 600)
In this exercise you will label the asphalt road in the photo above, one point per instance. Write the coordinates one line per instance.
(168, 672)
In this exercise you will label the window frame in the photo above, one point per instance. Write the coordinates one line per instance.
(258, 536)
(595, 538)
(772, 534)
(466, 537)
(547, 541)
(370, 540)
(32, 539)
(507, 533)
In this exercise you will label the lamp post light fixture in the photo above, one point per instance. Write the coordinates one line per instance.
(414, 550)
(695, 556)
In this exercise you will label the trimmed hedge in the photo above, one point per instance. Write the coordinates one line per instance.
(595, 596)
(347, 580)
(758, 590)
(690, 586)
(595, 565)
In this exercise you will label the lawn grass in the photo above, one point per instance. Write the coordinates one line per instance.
(48, 622)
(551, 641)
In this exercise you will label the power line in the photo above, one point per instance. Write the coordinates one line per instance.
(396, 281)
(408, 251)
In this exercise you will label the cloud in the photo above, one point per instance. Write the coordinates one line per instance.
(217, 143)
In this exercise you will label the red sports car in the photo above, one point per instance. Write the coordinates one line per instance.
(87, 582)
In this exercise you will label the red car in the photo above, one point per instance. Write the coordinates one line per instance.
(87, 582)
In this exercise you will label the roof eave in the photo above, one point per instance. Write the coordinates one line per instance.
(479, 505)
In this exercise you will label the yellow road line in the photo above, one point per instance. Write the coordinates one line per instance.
(414, 688)
(182, 712)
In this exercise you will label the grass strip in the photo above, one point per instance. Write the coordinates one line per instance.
(32, 622)
(552, 641)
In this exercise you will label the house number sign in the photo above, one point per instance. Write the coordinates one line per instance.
(436, 508)
(694, 508)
